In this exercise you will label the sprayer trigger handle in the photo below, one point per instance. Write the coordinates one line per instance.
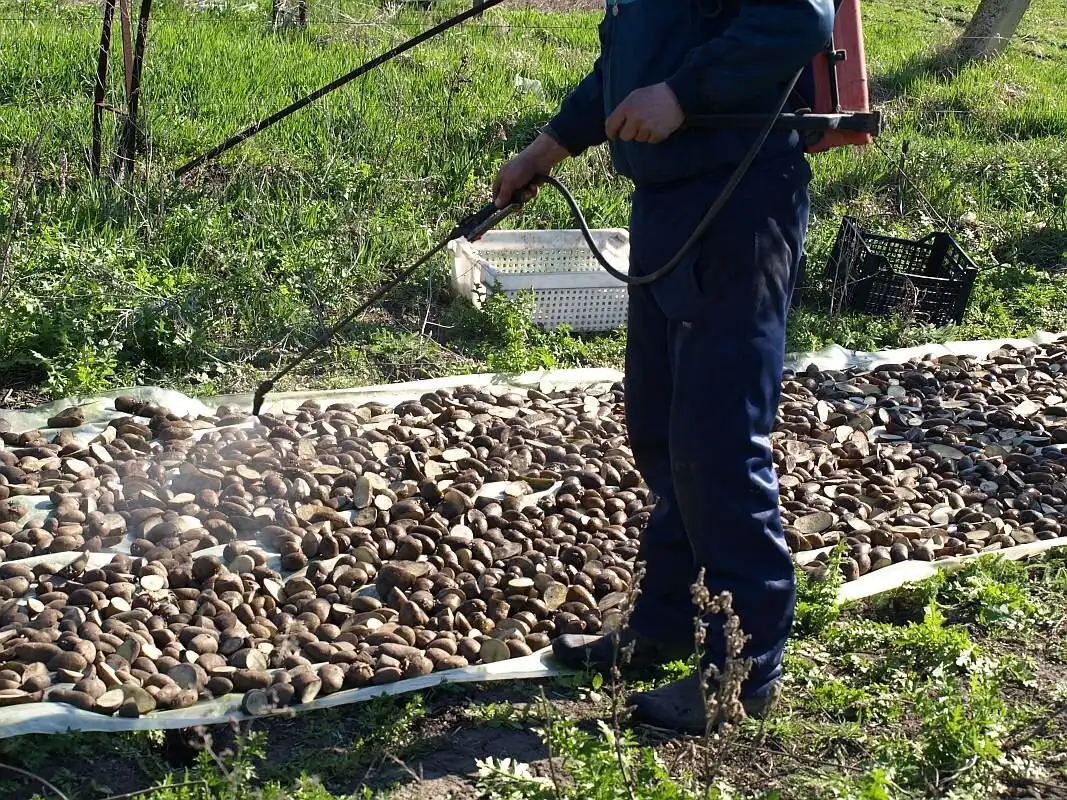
(477, 225)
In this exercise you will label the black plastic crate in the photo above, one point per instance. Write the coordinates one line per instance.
(931, 278)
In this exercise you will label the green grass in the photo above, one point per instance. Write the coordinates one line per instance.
(291, 227)
(204, 285)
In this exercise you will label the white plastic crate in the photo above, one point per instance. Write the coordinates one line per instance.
(570, 286)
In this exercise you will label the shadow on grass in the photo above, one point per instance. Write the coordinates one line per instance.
(941, 65)
(1045, 249)
(875, 178)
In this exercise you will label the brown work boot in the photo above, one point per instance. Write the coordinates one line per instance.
(678, 706)
(580, 651)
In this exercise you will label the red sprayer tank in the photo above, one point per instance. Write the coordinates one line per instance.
(839, 75)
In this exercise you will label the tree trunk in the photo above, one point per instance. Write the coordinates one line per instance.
(990, 29)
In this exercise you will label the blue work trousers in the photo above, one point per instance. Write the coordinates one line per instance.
(704, 358)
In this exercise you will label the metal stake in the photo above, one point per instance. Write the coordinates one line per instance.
(98, 95)
(125, 156)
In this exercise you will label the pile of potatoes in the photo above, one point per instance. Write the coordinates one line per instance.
(294, 555)
(301, 555)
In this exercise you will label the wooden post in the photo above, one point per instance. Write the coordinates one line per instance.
(990, 29)
(124, 158)
(98, 94)
(127, 45)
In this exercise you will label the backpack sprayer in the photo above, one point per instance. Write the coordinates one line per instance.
(838, 116)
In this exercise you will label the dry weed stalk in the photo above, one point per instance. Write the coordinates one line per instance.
(627, 651)
(546, 710)
(722, 707)
(283, 14)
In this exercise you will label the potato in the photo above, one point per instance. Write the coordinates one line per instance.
(14, 697)
(387, 675)
(306, 685)
(81, 700)
(245, 680)
(332, 677)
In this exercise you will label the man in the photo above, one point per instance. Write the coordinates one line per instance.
(706, 343)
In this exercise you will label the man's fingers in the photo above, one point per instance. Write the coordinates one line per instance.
(508, 190)
(512, 185)
(630, 130)
(647, 115)
(503, 193)
(529, 190)
(524, 193)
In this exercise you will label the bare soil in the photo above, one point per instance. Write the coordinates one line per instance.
(20, 387)
(445, 773)
(438, 760)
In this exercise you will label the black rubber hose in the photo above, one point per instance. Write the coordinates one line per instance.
(478, 223)
(705, 223)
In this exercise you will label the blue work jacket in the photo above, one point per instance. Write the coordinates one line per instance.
(718, 56)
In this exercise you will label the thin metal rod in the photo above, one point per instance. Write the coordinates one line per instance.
(34, 776)
(125, 156)
(267, 385)
(277, 116)
(98, 94)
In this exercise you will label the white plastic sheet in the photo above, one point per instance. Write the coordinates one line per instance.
(832, 357)
(58, 718)
(62, 718)
(840, 358)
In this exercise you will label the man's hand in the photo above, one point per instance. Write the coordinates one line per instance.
(648, 115)
(516, 178)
